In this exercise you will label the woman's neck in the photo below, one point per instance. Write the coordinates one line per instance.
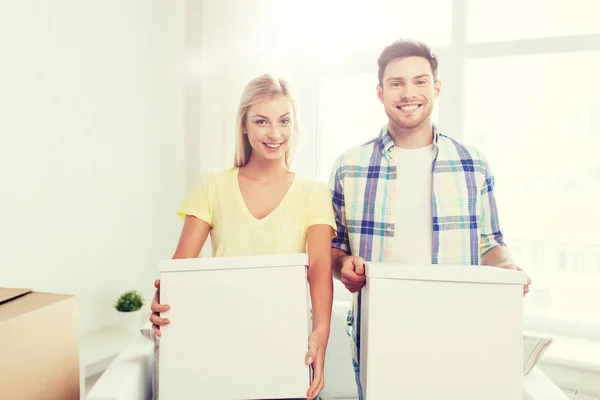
(265, 169)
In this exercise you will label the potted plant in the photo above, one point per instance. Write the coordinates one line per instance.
(129, 307)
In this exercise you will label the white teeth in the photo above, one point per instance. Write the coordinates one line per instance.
(408, 108)
(272, 145)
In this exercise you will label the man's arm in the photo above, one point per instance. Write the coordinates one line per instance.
(492, 248)
(340, 245)
(490, 233)
(497, 257)
(337, 260)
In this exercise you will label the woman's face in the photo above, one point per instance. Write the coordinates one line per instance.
(270, 128)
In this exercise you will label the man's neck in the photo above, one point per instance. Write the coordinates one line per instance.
(415, 138)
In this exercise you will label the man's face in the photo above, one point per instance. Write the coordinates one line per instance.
(408, 92)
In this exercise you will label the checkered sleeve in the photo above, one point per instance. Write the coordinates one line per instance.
(491, 233)
(341, 240)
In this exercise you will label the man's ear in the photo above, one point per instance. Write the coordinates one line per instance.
(380, 92)
(437, 88)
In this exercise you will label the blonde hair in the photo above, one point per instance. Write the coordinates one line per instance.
(264, 87)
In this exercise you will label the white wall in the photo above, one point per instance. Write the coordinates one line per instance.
(236, 41)
(92, 162)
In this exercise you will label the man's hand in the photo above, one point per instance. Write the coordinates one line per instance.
(353, 273)
(516, 268)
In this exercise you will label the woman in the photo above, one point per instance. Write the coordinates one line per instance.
(260, 207)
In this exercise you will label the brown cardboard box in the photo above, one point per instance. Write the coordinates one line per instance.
(39, 346)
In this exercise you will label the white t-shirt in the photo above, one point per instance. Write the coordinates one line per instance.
(413, 233)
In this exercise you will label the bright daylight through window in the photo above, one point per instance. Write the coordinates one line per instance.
(529, 97)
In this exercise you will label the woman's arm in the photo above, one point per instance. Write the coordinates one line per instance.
(321, 295)
(192, 238)
(320, 278)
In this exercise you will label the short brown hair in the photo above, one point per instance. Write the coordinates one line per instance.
(407, 48)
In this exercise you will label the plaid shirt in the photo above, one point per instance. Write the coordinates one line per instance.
(465, 218)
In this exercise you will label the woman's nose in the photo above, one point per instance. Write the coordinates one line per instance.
(273, 134)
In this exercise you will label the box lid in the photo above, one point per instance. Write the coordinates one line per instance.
(9, 294)
(15, 302)
(445, 273)
(214, 263)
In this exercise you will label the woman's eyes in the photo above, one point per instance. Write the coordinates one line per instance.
(285, 121)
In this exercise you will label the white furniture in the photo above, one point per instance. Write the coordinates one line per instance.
(129, 376)
(457, 326)
(240, 319)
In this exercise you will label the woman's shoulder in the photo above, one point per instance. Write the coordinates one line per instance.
(216, 176)
(307, 181)
(311, 186)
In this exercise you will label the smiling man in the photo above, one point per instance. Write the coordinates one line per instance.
(411, 194)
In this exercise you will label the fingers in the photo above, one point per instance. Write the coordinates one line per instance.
(359, 265)
(157, 283)
(526, 286)
(310, 356)
(353, 286)
(353, 274)
(155, 306)
(158, 308)
(353, 270)
(318, 376)
(157, 322)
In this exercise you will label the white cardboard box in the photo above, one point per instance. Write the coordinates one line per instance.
(239, 328)
(441, 332)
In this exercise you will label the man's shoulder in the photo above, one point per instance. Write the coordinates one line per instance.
(459, 149)
(356, 155)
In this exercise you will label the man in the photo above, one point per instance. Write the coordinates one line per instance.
(412, 194)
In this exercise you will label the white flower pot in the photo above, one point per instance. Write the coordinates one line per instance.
(130, 322)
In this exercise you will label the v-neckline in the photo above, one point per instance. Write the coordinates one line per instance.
(238, 190)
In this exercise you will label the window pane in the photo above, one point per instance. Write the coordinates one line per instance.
(492, 20)
(537, 120)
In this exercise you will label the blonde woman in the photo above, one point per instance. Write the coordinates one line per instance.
(260, 207)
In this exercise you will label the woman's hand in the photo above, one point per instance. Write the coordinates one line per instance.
(157, 308)
(315, 357)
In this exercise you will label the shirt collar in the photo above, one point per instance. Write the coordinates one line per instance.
(386, 144)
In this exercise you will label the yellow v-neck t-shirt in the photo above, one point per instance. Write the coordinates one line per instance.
(216, 199)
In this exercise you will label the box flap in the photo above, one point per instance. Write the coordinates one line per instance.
(448, 273)
(9, 294)
(213, 263)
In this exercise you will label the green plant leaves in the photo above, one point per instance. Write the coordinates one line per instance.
(131, 300)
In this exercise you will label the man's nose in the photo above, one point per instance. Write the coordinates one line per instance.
(407, 92)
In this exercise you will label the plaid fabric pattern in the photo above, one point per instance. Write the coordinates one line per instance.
(465, 218)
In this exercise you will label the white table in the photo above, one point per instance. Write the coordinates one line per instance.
(537, 386)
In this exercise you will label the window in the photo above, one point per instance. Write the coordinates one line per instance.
(535, 118)
(491, 20)
(520, 81)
